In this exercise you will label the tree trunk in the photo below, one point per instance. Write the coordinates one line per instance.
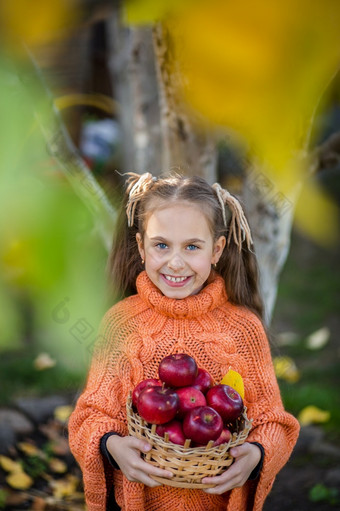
(135, 84)
(270, 215)
(186, 144)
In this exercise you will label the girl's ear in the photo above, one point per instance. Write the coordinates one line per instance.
(139, 240)
(218, 249)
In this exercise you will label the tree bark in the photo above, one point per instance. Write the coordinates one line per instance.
(187, 145)
(270, 215)
(135, 84)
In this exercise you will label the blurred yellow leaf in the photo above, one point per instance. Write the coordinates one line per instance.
(313, 415)
(9, 465)
(316, 215)
(234, 380)
(150, 11)
(58, 466)
(259, 69)
(318, 339)
(19, 480)
(44, 361)
(29, 449)
(64, 487)
(285, 368)
(62, 413)
(35, 26)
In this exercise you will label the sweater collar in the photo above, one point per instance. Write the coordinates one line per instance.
(210, 297)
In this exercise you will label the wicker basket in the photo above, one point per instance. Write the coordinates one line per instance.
(188, 464)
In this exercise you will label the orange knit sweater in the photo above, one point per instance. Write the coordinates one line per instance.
(135, 335)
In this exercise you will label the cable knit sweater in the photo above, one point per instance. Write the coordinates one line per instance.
(135, 335)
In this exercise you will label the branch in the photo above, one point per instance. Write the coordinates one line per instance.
(66, 154)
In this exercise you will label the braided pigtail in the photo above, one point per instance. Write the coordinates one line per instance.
(137, 186)
(239, 228)
(238, 265)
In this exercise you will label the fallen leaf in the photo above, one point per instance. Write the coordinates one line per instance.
(313, 415)
(285, 368)
(64, 487)
(62, 413)
(234, 380)
(29, 449)
(58, 466)
(10, 465)
(318, 339)
(19, 480)
(44, 361)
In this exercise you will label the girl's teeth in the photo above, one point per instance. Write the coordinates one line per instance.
(175, 279)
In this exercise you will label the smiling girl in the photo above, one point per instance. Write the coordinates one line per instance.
(183, 263)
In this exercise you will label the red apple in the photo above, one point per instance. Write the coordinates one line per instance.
(202, 424)
(157, 405)
(150, 382)
(226, 401)
(174, 429)
(189, 397)
(203, 380)
(178, 370)
(224, 437)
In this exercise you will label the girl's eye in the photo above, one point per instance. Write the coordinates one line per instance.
(161, 245)
(192, 247)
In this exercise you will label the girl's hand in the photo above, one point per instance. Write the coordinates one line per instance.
(247, 456)
(127, 453)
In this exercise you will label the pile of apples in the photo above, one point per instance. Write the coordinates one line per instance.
(186, 404)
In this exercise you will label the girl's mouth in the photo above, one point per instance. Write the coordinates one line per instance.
(175, 281)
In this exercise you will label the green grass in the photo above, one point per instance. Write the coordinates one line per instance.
(18, 377)
(308, 299)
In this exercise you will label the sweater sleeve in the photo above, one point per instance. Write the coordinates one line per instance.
(275, 429)
(100, 409)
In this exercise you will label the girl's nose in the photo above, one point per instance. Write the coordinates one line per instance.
(176, 263)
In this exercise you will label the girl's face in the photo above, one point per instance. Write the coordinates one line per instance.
(178, 249)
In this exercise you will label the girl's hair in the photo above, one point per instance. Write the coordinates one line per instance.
(144, 194)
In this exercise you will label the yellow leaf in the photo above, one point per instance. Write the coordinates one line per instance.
(234, 380)
(64, 487)
(58, 466)
(10, 465)
(285, 368)
(29, 449)
(143, 12)
(242, 65)
(62, 413)
(313, 415)
(40, 26)
(19, 480)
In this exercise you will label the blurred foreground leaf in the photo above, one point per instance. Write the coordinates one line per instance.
(49, 248)
(46, 21)
(258, 69)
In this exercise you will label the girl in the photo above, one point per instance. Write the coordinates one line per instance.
(183, 260)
